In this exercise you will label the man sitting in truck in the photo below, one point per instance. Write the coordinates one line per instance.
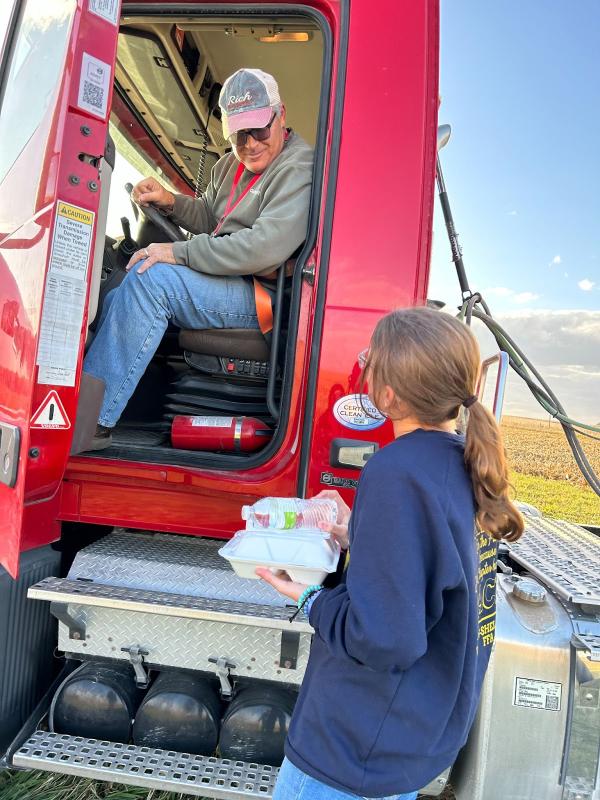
(251, 218)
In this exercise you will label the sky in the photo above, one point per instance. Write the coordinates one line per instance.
(519, 85)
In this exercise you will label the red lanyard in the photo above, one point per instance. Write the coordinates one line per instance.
(230, 206)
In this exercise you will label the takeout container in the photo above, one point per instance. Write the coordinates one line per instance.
(308, 556)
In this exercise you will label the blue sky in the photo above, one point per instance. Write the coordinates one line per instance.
(519, 85)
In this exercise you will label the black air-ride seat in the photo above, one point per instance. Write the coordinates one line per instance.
(238, 343)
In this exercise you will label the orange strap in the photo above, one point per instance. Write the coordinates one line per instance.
(264, 309)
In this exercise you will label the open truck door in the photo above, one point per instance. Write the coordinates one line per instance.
(56, 74)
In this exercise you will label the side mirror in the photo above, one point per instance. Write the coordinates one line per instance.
(443, 134)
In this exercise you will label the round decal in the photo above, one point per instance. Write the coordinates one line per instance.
(357, 412)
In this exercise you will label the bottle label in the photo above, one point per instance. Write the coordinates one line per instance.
(289, 520)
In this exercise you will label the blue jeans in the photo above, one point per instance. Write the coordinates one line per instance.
(135, 316)
(293, 784)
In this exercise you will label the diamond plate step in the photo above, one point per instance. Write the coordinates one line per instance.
(565, 556)
(84, 593)
(163, 562)
(143, 766)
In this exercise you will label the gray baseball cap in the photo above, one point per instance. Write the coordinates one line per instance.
(247, 100)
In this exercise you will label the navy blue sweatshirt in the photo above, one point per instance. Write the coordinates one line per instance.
(402, 643)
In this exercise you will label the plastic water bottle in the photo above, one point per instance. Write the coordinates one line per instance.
(285, 513)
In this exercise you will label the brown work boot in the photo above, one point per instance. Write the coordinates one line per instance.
(102, 438)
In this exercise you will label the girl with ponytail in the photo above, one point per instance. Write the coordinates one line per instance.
(402, 643)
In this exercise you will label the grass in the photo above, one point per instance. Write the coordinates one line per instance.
(558, 499)
(47, 786)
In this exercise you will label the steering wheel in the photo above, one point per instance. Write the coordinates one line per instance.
(153, 215)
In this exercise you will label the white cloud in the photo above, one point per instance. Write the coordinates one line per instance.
(556, 260)
(565, 347)
(516, 297)
(566, 274)
(586, 285)
(512, 213)
(525, 297)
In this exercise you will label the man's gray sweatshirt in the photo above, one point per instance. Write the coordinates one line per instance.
(263, 230)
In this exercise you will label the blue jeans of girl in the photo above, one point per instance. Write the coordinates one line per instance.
(136, 314)
(293, 784)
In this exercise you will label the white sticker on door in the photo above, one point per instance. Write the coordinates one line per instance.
(212, 422)
(94, 86)
(532, 693)
(64, 295)
(107, 9)
(51, 413)
(357, 412)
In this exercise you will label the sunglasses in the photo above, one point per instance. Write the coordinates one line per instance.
(239, 138)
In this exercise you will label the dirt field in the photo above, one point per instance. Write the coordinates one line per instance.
(535, 447)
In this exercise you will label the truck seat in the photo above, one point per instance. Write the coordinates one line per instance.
(226, 343)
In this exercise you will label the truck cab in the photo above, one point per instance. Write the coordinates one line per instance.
(113, 554)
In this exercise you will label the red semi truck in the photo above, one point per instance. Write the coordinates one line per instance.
(120, 547)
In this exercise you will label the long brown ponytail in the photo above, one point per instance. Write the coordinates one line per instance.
(431, 361)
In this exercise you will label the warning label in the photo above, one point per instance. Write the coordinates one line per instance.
(107, 9)
(212, 422)
(64, 296)
(51, 413)
(537, 694)
(94, 85)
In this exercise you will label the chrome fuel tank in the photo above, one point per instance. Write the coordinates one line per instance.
(537, 732)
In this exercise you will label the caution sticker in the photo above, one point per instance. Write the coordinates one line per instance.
(94, 86)
(532, 693)
(64, 295)
(51, 413)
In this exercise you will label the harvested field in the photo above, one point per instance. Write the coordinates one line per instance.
(536, 447)
(544, 472)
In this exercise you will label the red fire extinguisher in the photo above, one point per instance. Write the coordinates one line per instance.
(237, 434)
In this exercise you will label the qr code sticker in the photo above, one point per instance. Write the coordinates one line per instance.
(94, 86)
(552, 703)
(93, 95)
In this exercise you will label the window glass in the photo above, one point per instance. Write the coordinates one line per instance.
(36, 66)
(131, 165)
(6, 8)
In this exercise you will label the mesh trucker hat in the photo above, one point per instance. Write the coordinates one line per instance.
(247, 100)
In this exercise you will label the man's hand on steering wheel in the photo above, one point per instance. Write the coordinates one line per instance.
(160, 251)
(149, 190)
(153, 200)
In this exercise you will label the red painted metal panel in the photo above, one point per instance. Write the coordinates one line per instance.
(28, 202)
(380, 245)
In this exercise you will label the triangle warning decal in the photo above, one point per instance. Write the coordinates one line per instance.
(51, 413)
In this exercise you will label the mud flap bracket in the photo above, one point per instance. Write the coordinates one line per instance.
(61, 612)
(290, 645)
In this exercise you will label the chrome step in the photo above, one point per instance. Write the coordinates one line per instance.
(564, 556)
(87, 593)
(167, 770)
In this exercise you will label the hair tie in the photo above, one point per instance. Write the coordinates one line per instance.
(470, 400)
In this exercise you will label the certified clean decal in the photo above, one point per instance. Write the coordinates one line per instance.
(357, 412)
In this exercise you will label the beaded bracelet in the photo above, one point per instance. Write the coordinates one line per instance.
(308, 592)
(315, 587)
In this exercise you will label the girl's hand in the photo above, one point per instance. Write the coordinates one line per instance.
(282, 582)
(338, 529)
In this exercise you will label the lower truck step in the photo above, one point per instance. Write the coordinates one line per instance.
(143, 766)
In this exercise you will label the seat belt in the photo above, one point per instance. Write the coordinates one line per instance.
(264, 308)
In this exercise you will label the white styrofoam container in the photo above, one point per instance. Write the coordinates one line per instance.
(307, 556)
